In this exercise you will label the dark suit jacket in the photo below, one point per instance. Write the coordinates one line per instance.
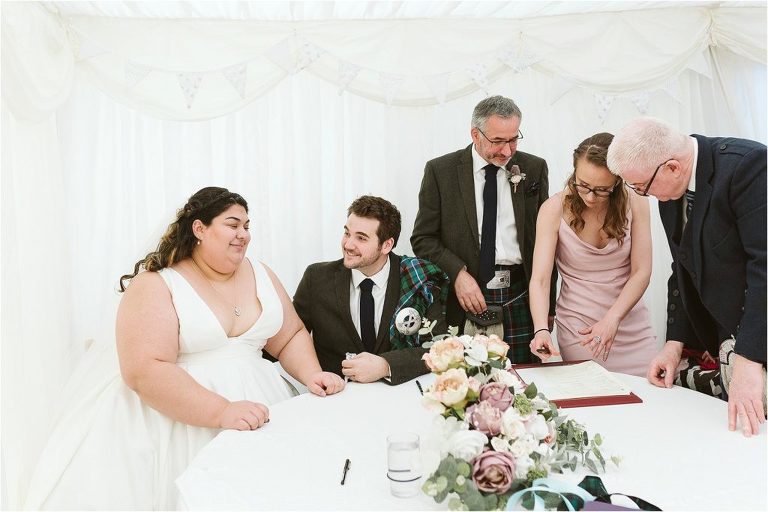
(717, 288)
(446, 232)
(322, 302)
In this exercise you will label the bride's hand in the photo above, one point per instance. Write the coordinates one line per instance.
(244, 415)
(324, 383)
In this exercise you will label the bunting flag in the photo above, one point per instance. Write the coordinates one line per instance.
(438, 85)
(135, 73)
(478, 72)
(517, 58)
(347, 73)
(190, 84)
(390, 83)
(642, 102)
(236, 75)
(306, 53)
(604, 104)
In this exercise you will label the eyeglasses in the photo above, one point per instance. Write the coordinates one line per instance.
(599, 192)
(644, 191)
(498, 144)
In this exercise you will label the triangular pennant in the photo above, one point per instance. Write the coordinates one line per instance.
(672, 87)
(604, 104)
(517, 58)
(438, 84)
(306, 53)
(642, 102)
(236, 75)
(478, 72)
(347, 73)
(390, 83)
(135, 73)
(190, 84)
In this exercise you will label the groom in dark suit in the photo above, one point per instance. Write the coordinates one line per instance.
(712, 204)
(477, 221)
(350, 305)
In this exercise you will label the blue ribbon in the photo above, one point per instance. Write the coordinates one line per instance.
(548, 485)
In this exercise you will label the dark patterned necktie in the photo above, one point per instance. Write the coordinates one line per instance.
(488, 232)
(689, 196)
(367, 329)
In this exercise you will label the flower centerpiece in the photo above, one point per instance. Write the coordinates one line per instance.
(495, 438)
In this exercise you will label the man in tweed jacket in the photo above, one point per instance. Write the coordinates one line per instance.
(448, 223)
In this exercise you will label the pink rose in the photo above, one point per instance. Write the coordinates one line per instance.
(493, 471)
(444, 354)
(498, 395)
(485, 418)
(450, 387)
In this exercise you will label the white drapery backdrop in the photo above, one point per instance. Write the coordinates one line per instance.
(110, 123)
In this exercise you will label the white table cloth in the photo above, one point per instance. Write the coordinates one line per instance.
(677, 453)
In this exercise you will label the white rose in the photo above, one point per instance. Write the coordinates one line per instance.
(500, 444)
(537, 427)
(497, 346)
(431, 404)
(466, 444)
(511, 424)
(504, 377)
(520, 448)
(476, 354)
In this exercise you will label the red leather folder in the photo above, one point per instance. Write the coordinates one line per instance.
(585, 401)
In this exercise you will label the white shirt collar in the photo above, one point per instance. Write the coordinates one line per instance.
(380, 278)
(692, 182)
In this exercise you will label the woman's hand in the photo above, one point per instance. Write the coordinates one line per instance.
(244, 415)
(324, 383)
(542, 346)
(599, 337)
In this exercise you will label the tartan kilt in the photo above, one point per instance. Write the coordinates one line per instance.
(518, 324)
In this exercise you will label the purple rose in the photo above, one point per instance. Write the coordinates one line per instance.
(485, 417)
(493, 471)
(498, 395)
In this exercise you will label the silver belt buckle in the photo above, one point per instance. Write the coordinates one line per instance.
(500, 280)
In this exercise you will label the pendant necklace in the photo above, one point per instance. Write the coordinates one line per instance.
(236, 308)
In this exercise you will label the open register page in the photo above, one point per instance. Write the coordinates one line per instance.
(576, 383)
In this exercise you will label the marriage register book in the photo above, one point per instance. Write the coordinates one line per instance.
(576, 383)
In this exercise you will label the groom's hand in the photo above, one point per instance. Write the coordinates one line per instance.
(365, 367)
(324, 383)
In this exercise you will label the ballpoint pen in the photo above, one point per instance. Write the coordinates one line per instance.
(421, 390)
(344, 474)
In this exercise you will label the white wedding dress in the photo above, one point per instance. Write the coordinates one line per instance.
(109, 450)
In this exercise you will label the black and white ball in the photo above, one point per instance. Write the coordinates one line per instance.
(408, 321)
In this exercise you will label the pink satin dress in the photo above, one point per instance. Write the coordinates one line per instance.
(592, 280)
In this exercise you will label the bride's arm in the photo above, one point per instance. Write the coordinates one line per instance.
(148, 344)
(293, 347)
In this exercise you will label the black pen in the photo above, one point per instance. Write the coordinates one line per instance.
(344, 474)
(420, 388)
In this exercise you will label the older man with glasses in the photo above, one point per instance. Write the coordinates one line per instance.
(477, 221)
(713, 208)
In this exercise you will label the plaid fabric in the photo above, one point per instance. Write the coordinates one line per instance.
(420, 282)
(518, 324)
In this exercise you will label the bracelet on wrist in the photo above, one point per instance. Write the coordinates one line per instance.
(542, 329)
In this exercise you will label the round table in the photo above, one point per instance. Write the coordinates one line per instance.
(676, 448)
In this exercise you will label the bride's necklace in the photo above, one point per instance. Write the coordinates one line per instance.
(235, 307)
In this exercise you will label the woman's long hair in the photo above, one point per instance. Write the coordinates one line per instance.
(178, 241)
(594, 150)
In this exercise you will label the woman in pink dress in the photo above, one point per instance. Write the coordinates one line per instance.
(599, 236)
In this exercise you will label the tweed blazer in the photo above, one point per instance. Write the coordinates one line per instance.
(717, 287)
(446, 227)
(322, 302)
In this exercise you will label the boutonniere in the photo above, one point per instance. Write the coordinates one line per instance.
(514, 176)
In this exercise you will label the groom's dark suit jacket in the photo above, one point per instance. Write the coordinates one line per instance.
(446, 232)
(717, 288)
(322, 302)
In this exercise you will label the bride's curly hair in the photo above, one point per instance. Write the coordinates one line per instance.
(178, 241)
(595, 150)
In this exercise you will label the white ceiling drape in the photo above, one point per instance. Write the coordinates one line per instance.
(113, 113)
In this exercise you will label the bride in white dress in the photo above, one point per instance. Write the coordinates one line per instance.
(190, 332)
